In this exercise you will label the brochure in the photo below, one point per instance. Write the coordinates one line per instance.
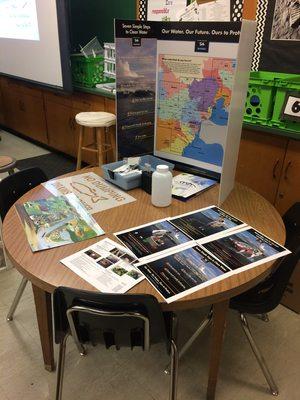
(206, 223)
(156, 237)
(245, 248)
(183, 272)
(186, 270)
(56, 221)
(185, 186)
(93, 191)
(105, 265)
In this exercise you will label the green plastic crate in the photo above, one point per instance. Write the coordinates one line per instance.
(260, 96)
(88, 71)
(291, 84)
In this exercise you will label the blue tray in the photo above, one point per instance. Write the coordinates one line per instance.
(134, 180)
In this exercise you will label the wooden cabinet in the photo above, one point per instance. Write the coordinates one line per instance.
(63, 131)
(2, 117)
(270, 165)
(260, 162)
(24, 110)
(60, 124)
(289, 186)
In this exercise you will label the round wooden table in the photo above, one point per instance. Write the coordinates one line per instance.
(45, 271)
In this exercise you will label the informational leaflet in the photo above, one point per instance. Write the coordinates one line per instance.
(93, 191)
(156, 237)
(206, 223)
(56, 221)
(182, 272)
(105, 265)
(245, 248)
(185, 186)
(177, 266)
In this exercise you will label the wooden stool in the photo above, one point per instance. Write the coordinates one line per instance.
(100, 122)
(7, 164)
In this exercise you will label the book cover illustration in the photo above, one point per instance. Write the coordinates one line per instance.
(56, 221)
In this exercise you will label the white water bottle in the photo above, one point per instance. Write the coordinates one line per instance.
(161, 194)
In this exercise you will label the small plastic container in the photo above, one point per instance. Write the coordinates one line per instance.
(161, 195)
(134, 180)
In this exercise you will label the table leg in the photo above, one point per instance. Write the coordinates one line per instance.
(217, 336)
(43, 308)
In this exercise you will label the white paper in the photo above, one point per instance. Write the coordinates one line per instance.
(164, 10)
(93, 191)
(218, 10)
(105, 265)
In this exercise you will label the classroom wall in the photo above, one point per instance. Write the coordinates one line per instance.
(89, 18)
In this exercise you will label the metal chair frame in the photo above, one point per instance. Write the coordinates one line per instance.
(245, 325)
(82, 350)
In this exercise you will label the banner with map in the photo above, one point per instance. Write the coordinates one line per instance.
(194, 66)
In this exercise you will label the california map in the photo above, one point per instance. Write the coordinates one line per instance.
(193, 98)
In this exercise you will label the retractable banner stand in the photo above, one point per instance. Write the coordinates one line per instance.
(181, 90)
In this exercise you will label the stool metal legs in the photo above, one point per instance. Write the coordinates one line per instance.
(16, 300)
(80, 140)
(259, 356)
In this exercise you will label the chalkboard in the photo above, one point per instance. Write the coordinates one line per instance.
(89, 18)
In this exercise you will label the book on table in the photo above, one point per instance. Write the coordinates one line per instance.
(56, 221)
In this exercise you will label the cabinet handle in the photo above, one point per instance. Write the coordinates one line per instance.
(287, 169)
(21, 105)
(73, 124)
(275, 168)
(70, 123)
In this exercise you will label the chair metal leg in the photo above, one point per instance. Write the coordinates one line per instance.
(61, 368)
(174, 371)
(16, 300)
(259, 356)
(80, 346)
(204, 324)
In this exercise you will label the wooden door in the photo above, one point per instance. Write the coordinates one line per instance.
(289, 187)
(260, 162)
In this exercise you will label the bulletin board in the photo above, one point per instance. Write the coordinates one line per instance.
(236, 9)
(277, 45)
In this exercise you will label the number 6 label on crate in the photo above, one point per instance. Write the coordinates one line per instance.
(291, 107)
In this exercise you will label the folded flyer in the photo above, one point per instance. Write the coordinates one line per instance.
(106, 265)
(185, 186)
(56, 221)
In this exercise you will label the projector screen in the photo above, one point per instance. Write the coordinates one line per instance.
(34, 41)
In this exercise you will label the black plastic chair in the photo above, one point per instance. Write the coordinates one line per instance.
(120, 320)
(265, 296)
(12, 188)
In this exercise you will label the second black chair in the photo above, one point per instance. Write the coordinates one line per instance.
(11, 189)
(120, 320)
(265, 296)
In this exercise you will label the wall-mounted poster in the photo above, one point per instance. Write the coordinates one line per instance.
(164, 10)
(190, 10)
(277, 45)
